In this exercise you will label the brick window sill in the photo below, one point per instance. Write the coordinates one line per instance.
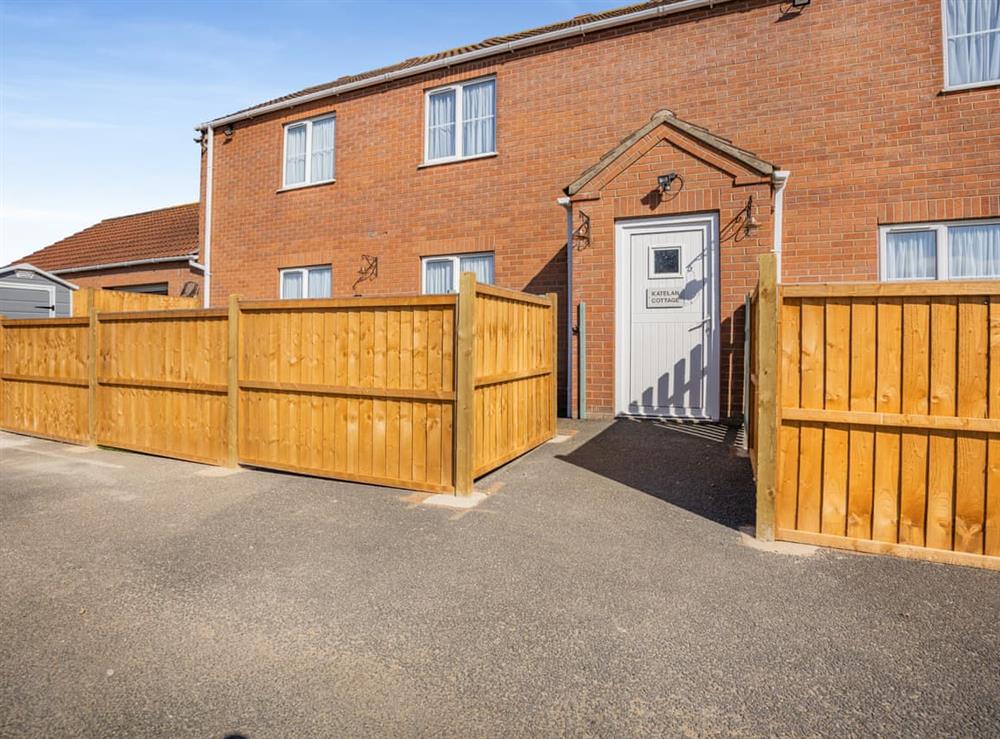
(309, 186)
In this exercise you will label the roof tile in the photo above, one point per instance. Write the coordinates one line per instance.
(167, 232)
(579, 20)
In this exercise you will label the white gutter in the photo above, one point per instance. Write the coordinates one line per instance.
(206, 288)
(778, 180)
(131, 263)
(468, 56)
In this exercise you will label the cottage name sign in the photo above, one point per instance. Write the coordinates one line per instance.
(659, 297)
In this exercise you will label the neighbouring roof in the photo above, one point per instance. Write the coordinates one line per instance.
(24, 266)
(706, 137)
(581, 22)
(156, 234)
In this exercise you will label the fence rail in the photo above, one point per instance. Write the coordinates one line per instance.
(419, 392)
(885, 431)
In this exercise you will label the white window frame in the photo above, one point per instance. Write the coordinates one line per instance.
(941, 239)
(308, 123)
(945, 35)
(459, 142)
(456, 264)
(304, 271)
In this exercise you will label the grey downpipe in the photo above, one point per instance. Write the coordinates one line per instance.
(568, 205)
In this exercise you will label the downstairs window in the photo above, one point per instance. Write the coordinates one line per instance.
(963, 250)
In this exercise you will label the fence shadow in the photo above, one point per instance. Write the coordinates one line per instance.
(699, 473)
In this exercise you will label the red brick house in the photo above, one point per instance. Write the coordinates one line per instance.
(154, 252)
(668, 143)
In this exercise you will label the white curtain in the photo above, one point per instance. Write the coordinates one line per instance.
(911, 255)
(479, 118)
(481, 264)
(441, 125)
(322, 150)
(974, 251)
(973, 41)
(439, 276)
(291, 285)
(295, 155)
(320, 280)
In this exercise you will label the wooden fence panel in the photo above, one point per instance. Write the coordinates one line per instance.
(359, 389)
(515, 359)
(43, 377)
(120, 300)
(162, 383)
(889, 430)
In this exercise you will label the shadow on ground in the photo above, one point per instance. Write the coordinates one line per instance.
(694, 467)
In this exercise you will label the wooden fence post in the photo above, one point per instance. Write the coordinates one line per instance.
(554, 328)
(92, 338)
(232, 389)
(465, 385)
(766, 431)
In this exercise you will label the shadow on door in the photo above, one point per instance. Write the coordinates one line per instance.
(692, 466)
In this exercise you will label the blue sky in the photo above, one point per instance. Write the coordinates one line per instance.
(98, 100)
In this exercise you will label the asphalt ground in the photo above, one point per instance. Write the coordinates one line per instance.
(603, 587)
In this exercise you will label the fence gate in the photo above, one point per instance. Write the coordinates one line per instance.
(877, 424)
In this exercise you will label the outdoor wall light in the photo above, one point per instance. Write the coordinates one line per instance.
(750, 222)
(228, 130)
(666, 180)
(800, 3)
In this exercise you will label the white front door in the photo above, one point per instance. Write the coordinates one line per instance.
(667, 332)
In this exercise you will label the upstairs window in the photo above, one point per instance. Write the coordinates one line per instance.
(968, 250)
(441, 274)
(306, 282)
(309, 152)
(972, 42)
(460, 121)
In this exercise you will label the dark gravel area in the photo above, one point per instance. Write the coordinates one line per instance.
(602, 589)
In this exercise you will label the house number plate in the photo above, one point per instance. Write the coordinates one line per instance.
(658, 297)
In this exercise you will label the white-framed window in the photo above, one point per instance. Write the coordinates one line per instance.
(309, 151)
(441, 274)
(959, 250)
(306, 282)
(460, 121)
(971, 32)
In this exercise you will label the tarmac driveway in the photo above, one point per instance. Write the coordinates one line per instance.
(602, 588)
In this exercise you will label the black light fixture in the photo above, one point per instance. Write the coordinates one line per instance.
(228, 130)
(750, 222)
(799, 4)
(666, 180)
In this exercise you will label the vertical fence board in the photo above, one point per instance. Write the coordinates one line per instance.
(913, 444)
(862, 438)
(836, 397)
(885, 511)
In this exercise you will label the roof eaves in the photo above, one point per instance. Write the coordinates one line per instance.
(489, 47)
(723, 145)
(611, 155)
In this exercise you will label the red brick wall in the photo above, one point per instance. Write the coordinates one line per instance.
(175, 276)
(846, 95)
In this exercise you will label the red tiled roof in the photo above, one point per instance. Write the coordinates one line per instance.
(579, 20)
(167, 232)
